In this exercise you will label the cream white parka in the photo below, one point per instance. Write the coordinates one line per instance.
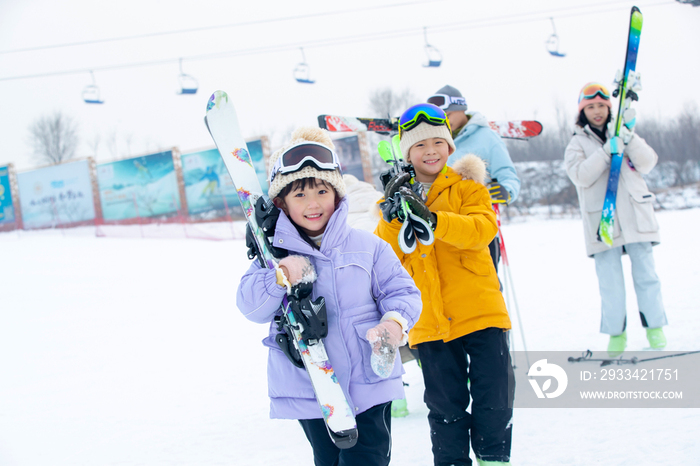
(588, 167)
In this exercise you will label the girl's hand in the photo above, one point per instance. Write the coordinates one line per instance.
(298, 269)
(385, 338)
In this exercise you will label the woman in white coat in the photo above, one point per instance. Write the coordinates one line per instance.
(635, 229)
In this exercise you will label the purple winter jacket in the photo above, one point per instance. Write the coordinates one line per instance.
(361, 278)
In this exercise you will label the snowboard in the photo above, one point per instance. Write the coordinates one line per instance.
(623, 91)
(517, 129)
(222, 122)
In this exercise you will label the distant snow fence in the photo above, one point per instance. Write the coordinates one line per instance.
(159, 195)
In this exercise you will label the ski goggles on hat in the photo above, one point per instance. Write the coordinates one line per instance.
(304, 155)
(443, 100)
(427, 113)
(593, 90)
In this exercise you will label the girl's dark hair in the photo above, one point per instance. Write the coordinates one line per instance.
(583, 121)
(301, 184)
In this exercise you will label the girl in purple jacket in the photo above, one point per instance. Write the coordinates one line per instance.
(370, 301)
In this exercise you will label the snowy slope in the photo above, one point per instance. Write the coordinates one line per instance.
(130, 351)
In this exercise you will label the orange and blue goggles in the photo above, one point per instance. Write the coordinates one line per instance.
(420, 113)
(593, 90)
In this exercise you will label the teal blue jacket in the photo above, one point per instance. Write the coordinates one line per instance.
(477, 138)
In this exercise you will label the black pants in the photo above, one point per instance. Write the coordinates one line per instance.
(446, 371)
(373, 446)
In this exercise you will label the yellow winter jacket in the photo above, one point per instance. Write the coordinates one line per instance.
(458, 282)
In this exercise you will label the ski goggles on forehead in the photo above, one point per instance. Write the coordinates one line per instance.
(304, 155)
(427, 113)
(593, 90)
(443, 100)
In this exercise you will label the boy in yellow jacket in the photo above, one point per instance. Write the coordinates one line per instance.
(460, 336)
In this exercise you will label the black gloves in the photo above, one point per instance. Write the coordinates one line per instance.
(499, 194)
(395, 183)
(418, 207)
(266, 215)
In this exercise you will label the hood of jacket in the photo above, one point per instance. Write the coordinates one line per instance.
(476, 120)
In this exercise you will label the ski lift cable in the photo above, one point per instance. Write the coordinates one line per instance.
(222, 26)
(329, 42)
(247, 23)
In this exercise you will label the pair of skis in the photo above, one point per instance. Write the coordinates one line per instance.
(624, 90)
(298, 311)
(413, 228)
(517, 129)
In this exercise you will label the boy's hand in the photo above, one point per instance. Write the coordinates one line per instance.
(418, 207)
(395, 183)
(499, 194)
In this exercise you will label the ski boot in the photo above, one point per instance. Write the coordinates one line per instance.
(617, 344)
(492, 463)
(399, 408)
(656, 337)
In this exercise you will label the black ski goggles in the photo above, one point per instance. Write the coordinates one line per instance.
(304, 155)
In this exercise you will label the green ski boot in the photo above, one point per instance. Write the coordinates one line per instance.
(399, 408)
(492, 463)
(617, 344)
(656, 337)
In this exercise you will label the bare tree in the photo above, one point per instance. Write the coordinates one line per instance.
(386, 102)
(112, 144)
(54, 138)
(94, 144)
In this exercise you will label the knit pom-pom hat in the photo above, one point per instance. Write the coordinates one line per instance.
(300, 136)
(424, 131)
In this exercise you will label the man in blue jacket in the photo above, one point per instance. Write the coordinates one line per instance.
(472, 135)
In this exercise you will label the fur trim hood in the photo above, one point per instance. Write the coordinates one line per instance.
(471, 167)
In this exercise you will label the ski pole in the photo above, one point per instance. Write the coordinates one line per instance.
(508, 278)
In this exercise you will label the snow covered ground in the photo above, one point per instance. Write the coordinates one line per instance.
(130, 351)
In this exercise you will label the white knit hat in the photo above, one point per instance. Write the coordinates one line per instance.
(300, 136)
(420, 133)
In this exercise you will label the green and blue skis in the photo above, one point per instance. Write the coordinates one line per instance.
(624, 91)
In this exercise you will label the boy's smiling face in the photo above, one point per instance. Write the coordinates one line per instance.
(428, 158)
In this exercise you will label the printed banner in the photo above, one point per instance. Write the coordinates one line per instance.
(139, 187)
(348, 150)
(208, 185)
(57, 195)
(7, 210)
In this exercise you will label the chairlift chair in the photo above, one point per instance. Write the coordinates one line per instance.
(433, 54)
(91, 93)
(553, 43)
(188, 84)
(302, 72)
